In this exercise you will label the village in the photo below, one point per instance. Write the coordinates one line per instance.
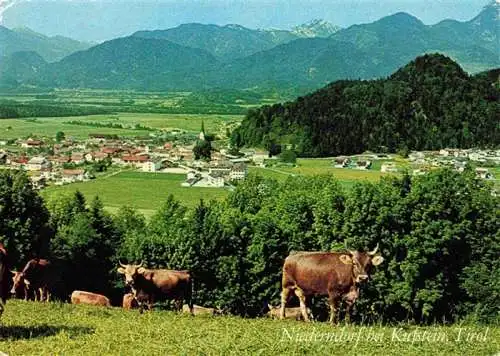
(69, 161)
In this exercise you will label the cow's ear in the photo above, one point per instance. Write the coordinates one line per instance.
(141, 270)
(346, 259)
(121, 270)
(377, 260)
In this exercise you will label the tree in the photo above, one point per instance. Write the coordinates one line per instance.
(60, 136)
(202, 150)
(288, 156)
(24, 219)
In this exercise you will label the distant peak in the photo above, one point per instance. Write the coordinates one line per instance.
(315, 28)
(401, 17)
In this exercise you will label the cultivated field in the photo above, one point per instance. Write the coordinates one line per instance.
(48, 127)
(144, 191)
(30, 328)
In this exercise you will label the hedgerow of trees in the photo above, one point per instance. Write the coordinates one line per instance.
(429, 104)
(439, 235)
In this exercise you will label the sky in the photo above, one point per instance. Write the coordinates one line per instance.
(99, 20)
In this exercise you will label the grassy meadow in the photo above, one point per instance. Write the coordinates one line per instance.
(143, 191)
(30, 328)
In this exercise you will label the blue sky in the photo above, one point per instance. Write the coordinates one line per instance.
(98, 20)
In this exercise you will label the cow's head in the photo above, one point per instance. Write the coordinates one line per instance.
(362, 263)
(131, 272)
(19, 283)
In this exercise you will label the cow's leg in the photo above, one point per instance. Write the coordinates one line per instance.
(178, 304)
(284, 298)
(349, 304)
(333, 303)
(302, 299)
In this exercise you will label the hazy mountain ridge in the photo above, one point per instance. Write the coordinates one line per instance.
(50, 49)
(197, 56)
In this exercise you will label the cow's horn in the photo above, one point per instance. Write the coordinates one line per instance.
(371, 253)
(121, 264)
(140, 264)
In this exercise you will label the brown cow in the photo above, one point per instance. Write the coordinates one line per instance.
(129, 301)
(37, 277)
(290, 313)
(199, 310)
(81, 297)
(150, 285)
(4, 278)
(334, 274)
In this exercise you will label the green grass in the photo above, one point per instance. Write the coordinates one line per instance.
(30, 328)
(48, 127)
(314, 166)
(143, 191)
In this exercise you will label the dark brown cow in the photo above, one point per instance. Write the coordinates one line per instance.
(150, 285)
(82, 297)
(4, 278)
(333, 274)
(37, 277)
(129, 301)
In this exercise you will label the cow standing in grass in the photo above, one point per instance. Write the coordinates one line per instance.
(37, 277)
(333, 274)
(151, 285)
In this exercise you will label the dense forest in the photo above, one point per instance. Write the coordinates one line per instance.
(10, 109)
(438, 234)
(429, 104)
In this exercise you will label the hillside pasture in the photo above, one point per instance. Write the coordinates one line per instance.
(30, 328)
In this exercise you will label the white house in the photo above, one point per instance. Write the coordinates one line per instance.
(388, 167)
(72, 175)
(238, 172)
(38, 163)
(152, 165)
(483, 173)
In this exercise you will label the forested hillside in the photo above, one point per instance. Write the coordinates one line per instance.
(428, 104)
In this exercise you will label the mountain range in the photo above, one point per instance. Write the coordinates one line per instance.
(197, 56)
(51, 49)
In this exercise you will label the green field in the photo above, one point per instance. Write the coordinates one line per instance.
(314, 166)
(48, 127)
(143, 191)
(30, 328)
(146, 191)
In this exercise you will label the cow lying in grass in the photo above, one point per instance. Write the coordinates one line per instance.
(292, 313)
(81, 297)
(199, 310)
